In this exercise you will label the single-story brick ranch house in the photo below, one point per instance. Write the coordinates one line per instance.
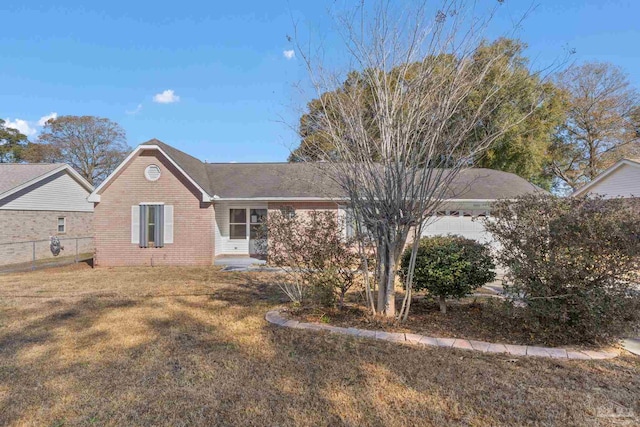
(163, 206)
(38, 201)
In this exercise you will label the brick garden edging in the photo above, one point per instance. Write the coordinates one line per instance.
(275, 318)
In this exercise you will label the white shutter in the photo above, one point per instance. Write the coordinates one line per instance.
(135, 224)
(168, 223)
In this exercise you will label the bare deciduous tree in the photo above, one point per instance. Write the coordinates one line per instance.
(94, 146)
(416, 68)
(601, 125)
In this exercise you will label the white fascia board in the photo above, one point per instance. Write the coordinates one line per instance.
(277, 199)
(64, 167)
(604, 174)
(316, 199)
(79, 178)
(95, 197)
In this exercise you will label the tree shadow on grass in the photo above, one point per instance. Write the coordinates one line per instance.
(213, 360)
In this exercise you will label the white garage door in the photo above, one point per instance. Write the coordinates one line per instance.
(463, 223)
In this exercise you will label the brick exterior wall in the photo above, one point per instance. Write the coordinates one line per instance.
(19, 226)
(193, 219)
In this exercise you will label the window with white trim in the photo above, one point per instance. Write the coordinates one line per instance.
(152, 225)
(237, 224)
(62, 224)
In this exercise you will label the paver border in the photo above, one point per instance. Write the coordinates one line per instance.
(274, 317)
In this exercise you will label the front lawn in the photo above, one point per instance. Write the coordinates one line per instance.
(189, 346)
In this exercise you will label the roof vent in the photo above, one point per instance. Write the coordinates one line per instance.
(152, 172)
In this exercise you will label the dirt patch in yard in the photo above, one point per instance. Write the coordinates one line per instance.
(190, 346)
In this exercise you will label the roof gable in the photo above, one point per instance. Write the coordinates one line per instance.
(15, 177)
(605, 174)
(187, 165)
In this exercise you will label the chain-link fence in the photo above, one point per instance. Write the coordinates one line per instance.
(34, 253)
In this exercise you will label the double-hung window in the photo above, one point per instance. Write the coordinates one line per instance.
(62, 224)
(237, 224)
(152, 225)
(151, 232)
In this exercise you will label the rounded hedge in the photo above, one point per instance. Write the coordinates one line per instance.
(450, 266)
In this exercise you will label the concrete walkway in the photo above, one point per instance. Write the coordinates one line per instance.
(276, 318)
(238, 263)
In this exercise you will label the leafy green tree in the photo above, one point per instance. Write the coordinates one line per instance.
(12, 144)
(523, 149)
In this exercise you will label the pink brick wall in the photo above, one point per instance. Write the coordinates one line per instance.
(193, 219)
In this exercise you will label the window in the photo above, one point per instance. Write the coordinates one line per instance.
(350, 225)
(238, 224)
(288, 211)
(151, 226)
(256, 218)
(352, 221)
(62, 225)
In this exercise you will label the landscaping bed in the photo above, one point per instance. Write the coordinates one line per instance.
(475, 318)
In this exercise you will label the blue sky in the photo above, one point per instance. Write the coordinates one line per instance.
(212, 78)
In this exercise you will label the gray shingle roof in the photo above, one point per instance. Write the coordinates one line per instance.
(13, 175)
(305, 180)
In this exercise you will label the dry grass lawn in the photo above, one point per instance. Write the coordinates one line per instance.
(189, 346)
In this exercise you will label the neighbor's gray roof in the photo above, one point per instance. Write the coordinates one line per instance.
(13, 175)
(304, 180)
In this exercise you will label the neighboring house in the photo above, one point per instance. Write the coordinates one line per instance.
(38, 201)
(620, 180)
(163, 206)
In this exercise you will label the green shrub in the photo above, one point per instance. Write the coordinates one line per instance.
(450, 267)
(572, 263)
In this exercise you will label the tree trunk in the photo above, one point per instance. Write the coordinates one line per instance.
(443, 304)
(386, 287)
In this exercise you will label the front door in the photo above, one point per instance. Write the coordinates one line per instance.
(257, 217)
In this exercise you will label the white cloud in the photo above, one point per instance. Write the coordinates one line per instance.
(166, 97)
(289, 54)
(44, 119)
(135, 111)
(23, 126)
